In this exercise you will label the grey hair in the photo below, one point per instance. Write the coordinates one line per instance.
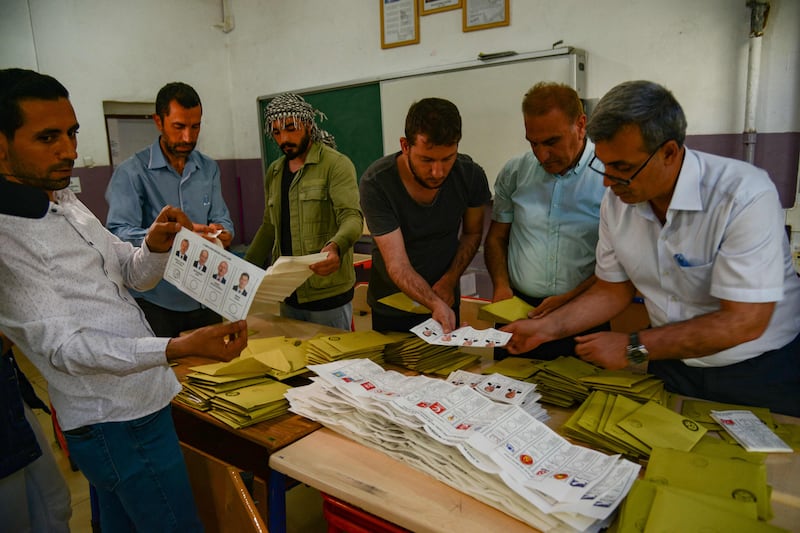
(646, 104)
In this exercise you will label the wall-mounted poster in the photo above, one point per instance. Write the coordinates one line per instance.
(483, 14)
(427, 7)
(399, 23)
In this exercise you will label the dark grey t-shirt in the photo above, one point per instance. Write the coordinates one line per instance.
(430, 232)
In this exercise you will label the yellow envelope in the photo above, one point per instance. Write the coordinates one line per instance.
(639, 501)
(400, 301)
(679, 512)
(657, 426)
(725, 478)
(709, 445)
(514, 367)
(621, 408)
(254, 396)
(350, 342)
(505, 311)
(790, 434)
(623, 379)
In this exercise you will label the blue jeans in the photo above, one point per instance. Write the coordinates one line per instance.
(138, 470)
(339, 317)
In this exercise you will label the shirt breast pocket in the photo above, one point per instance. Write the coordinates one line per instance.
(693, 283)
(317, 216)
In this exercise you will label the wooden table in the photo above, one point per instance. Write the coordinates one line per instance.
(373, 481)
(249, 448)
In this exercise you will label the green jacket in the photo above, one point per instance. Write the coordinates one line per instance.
(324, 205)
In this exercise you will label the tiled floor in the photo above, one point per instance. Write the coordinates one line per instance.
(304, 504)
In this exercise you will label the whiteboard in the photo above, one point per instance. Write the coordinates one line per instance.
(489, 98)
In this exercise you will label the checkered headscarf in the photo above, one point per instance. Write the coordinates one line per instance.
(291, 105)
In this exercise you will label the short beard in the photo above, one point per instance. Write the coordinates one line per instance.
(301, 148)
(44, 184)
(420, 181)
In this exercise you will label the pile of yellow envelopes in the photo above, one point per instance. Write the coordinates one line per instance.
(718, 487)
(412, 352)
(242, 392)
(568, 380)
(350, 345)
(618, 424)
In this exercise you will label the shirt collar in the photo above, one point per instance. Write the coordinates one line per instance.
(686, 196)
(583, 162)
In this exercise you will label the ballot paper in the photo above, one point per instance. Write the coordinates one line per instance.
(431, 332)
(494, 451)
(226, 283)
(750, 431)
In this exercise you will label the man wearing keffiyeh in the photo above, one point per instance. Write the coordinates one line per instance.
(311, 205)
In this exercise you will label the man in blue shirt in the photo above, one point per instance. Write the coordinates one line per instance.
(540, 245)
(169, 172)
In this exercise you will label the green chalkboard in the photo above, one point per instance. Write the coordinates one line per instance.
(353, 118)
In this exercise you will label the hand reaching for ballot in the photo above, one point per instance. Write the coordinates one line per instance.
(222, 342)
(213, 232)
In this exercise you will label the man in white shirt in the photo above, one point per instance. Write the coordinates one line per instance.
(702, 238)
(66, 305)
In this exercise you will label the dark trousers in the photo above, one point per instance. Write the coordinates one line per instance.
(770, 380)
(549, 350)
(382, 323)
(168, 323)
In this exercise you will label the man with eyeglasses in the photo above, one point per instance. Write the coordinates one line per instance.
(702, 238)
(540, 245)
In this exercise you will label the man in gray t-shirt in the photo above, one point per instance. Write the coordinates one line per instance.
(415, 201)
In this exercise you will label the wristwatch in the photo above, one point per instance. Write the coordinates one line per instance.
(636, 351)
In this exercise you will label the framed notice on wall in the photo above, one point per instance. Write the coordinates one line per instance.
(427, 7)
(483, 14)
(399, 23)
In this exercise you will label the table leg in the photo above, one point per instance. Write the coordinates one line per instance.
(276, 502)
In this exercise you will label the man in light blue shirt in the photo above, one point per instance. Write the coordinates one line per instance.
(541, 242)
(169, 172)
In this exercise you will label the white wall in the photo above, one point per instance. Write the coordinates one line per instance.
(122, 50)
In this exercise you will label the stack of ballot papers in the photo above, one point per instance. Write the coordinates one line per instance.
(503, 389)
(348, 345)
(505, 311)
(699, 491)
(478, 441)
(618, 424)
(285, 275)
(412, 352)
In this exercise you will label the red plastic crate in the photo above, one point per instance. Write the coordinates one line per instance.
(344, 518)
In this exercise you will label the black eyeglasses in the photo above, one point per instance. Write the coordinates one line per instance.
(623, 181)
